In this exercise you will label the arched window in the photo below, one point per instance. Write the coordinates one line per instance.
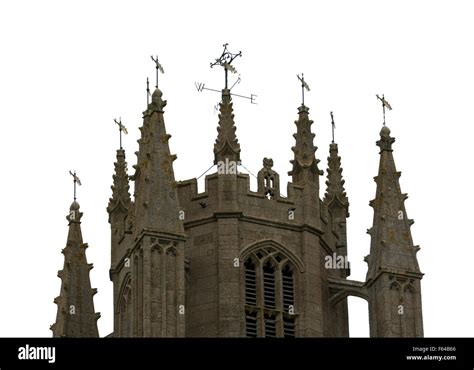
(269, 295)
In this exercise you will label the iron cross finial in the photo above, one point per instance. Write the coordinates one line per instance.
(225, 61)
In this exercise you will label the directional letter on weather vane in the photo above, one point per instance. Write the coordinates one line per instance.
(225, 61)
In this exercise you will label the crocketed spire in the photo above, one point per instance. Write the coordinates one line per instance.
(305, 164)
(391, 241)
(120, 188)
(335, 192)
(76, 316)
(226, 145)
(156, 200)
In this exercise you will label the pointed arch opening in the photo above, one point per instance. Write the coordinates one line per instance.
(125, 308)
(358, 317)
(270, 300)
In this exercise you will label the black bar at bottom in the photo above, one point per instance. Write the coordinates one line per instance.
(314, 353)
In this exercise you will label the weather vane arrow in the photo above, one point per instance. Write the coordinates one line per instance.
(122, 128)
(225, 61)
(159, 68)
(76, 181)
(385, 104)
(304, 86)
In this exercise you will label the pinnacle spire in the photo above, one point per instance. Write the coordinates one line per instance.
(226, 145)
(335, 192)
(120, 188)
(305, 164)
(391, 241)
(337, 202)
(76, 316)
(156, 199)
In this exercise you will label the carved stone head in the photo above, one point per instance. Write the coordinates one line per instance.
(267, 163)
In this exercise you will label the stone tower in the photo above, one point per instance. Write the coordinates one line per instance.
(76, 316)
(233, 262)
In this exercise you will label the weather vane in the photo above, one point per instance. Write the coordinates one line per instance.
(159, 68)
(333, 126)
(304, 86)
(225, 61)
(385, 104)
(121, 128)
(76, 181)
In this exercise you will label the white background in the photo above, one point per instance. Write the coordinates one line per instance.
(69, 68)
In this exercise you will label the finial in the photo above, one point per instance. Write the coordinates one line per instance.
(385, 104)
(304, 86)
(225, 60)
(386, 141)
(156, 100)
(333, 126)
(121, 128)
(159, 68)
(74, 214)
(385, 131)
(76, 181)
(74, 206)
(147, 92)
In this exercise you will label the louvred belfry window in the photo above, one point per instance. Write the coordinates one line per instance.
(269, 286)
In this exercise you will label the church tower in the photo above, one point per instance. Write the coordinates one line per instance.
(393, 277)
(229, 261)
(76, 316)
